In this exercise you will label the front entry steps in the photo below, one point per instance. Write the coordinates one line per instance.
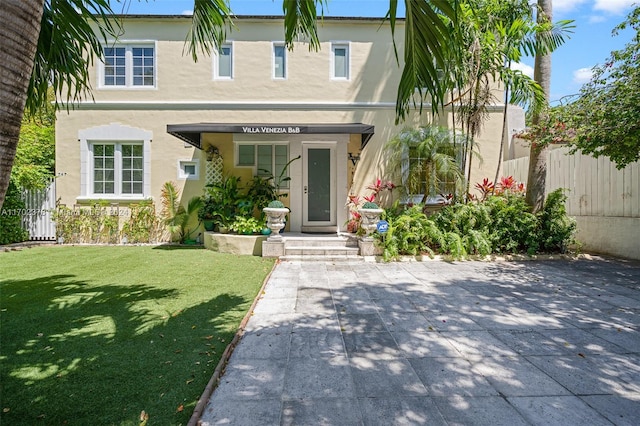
(313, 247)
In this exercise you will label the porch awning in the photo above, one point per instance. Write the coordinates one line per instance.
(191, 133)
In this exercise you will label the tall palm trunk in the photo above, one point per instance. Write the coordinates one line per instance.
(503, 134)
(19, 31)
(537, 176)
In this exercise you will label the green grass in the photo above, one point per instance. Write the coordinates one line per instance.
(95, 335)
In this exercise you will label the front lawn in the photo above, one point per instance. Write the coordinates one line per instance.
(95, 335)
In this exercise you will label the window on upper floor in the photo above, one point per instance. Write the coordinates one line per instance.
(223, 62)
(129, 66)
(117, 169)
(340, 61)
(279, 61)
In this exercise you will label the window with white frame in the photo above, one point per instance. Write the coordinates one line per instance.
(224, 62)
(340, 61)
(279, 61)
(129, 66)
(188, 169)
(266, 159)
(117, 168)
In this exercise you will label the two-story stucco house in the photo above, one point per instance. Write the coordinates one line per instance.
(156, 114)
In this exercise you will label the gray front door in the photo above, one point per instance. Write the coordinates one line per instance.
(318, 187)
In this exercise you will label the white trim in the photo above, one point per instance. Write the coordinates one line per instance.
(118, 133)
(332, 70)
(238, 105)
(188, 176)
(129, 45)
(282, 44)
(333, 184)
(216, 63)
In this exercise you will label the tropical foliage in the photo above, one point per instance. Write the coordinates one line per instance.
(497, 224)
(425, 160)
(176, 217)
(11, 230)
(606, 116)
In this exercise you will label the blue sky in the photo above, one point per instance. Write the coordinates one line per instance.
(589, 45)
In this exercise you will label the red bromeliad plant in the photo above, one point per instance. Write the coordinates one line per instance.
(486, 188)
(354, 202)
(506, 186)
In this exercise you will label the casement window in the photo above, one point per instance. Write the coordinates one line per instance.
(117, 169)
(415, 167)
(115, 163)
(266, 159)
(279, 61)
(129, 66)
(340, 61)
(223, 62)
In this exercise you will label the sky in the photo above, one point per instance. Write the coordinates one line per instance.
(590, 44)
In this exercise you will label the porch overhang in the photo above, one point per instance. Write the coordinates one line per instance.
(192, 133)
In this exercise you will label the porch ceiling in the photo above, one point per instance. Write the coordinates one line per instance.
(192, 132)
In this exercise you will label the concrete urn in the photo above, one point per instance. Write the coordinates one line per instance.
(370, 219)
(276, 220)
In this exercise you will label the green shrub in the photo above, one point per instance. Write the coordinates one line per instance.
(369, 205)
(513, 227)
(275, 204)
(11, 230)
(471, 223)
(556, 229)
(410, 233)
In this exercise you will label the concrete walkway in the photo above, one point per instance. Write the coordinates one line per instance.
(437, 343)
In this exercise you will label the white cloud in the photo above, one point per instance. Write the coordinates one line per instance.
(566, 5)
(187, 12)
(526, 69)
(617, 7)
(583, 75)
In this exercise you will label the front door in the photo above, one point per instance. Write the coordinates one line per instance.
(319, 187)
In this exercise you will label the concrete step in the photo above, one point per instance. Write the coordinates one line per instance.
(316, 250)
(320, 242)
(324, 258)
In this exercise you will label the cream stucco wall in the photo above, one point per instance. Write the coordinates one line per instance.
(186, 92)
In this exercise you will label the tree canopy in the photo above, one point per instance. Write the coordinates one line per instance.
(605, 119)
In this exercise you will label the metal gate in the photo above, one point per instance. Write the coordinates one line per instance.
(37, 217)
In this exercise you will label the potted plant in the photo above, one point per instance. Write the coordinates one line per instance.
(370, 214)
(276, 214)
(208, 213)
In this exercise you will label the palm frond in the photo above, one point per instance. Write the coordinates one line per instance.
(300, 21)
(208, 26)
(430, 46)
(67, 45)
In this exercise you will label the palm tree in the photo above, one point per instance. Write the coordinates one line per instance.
(424, 159)
(537, 175)
(52, 43)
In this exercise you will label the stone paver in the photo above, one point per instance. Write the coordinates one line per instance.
(438, 343)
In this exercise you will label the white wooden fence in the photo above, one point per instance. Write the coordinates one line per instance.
(37, 216)
(605, 201)
(595, 186)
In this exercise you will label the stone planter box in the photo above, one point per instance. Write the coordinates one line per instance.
(234, 243)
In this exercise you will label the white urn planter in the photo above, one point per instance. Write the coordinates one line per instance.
(276, 220)
(370, 219)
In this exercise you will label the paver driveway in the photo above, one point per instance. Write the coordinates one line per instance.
(502, 343)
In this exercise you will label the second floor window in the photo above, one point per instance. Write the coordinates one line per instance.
(279, 61)
(129, 66)
(340, 61)
(224, 62)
